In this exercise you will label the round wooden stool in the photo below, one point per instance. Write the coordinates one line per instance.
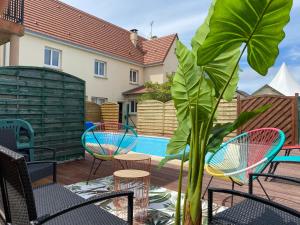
(137, 181)
(132, 161)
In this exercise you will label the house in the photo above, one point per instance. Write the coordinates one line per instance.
(11, 26)
(109, 58)
(283, 84)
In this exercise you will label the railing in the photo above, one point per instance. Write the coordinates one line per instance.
(14, 11)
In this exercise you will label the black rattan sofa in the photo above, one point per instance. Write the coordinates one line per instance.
(37, 169)
(253, 210)
(51, 204)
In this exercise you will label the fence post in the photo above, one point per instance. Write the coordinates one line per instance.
(163, 118)
(238, 108)
(296, 118)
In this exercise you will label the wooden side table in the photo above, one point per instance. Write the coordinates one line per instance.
(137, 181)
(132, 161)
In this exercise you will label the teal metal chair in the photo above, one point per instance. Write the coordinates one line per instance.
(250, 152)
(24, 136)
(106, 140)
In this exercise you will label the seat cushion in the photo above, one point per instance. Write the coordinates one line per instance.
(39, 171)
(54, 197)
(254, 213)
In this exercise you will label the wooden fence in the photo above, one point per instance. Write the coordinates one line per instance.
(283, 114)
(51, 101)
(106, 113)
(150, 117)
(157, 118)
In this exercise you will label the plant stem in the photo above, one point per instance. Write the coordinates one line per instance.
(178, 204)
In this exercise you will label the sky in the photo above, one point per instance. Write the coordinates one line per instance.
(183, 18)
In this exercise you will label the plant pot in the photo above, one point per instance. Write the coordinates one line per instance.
(3, 6)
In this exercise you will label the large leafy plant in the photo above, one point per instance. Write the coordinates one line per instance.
(208, 73)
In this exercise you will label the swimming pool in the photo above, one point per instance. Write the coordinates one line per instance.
(151, 145)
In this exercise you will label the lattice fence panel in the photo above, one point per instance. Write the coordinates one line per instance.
(282, 114)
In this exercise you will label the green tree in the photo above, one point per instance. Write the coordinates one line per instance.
(159, 92)
(208, 73)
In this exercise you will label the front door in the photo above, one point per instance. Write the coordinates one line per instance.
(120, 112)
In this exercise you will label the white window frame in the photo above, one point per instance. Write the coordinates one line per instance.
(131, 80)
(105, 69)
(51, 59)
(133, 110)
(102, 100)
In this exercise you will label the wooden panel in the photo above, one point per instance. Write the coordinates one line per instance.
(51, 101)
(282, 115)
(109, 112)
(227, 113)
(150, 117)
(92, 112)
(157, 118)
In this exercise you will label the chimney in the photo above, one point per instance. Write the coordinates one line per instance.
(134, 36)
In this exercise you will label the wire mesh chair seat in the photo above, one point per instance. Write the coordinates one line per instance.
(250, 152)
(105, 140)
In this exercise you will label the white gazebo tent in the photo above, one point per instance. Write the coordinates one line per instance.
(284, 82)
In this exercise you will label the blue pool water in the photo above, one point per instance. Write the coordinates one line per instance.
(145, 144)
(151, 145)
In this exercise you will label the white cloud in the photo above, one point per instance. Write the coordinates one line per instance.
(293, 54)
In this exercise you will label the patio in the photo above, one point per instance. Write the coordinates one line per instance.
(287, 194)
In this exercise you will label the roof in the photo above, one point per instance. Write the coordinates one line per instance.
(156, 50)
(59, 20)
(136, 91)
(284, 82)
(264, 87)
(242, 93)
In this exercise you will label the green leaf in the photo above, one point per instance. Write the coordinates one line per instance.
(190, 87)
(180, 138)
(173, 157)
(219, 131)
(258, 24)
(220, 69)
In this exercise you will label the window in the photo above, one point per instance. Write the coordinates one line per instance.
(134, 76)
(133, 107)
(100, 68)
(52, 57)
(99, 100)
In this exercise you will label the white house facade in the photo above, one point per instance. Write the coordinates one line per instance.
(109, 58)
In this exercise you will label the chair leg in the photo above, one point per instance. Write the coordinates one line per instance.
(270, 170)
(263, 189)
(232, 188)
(98, 167)
(91, 170)
(207, 187)
(275, 167)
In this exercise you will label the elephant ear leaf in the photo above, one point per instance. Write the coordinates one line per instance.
(178, 144)
(180, 139)
(220, 69)
(219, 131)
(261, 30)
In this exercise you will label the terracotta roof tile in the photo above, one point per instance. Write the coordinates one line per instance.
(156, 50)
(136, 91)
(59, 20)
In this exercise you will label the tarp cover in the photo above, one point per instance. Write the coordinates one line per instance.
(284, 82)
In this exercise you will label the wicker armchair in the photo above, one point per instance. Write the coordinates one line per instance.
(51, 204)
(253, 210)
